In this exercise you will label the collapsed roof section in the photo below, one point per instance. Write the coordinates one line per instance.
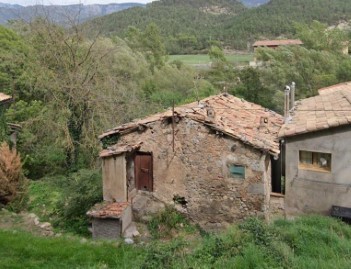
(248, 122)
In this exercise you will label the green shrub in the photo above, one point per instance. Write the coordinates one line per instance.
(163, 255)
(81, 191)
(165, 223)
(64, 200)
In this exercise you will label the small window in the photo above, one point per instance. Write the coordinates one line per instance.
(237, 171)
(317, 161)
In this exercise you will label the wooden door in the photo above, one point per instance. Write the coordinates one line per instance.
(143, 172)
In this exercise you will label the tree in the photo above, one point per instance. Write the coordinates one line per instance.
(13, 55)
(83, 87)
(150, 43)
(319, 37)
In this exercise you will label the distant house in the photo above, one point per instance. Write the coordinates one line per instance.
(13, 129)
(4, 99)
(212, 158)
(273, 44)
(317, 141)
(276, 43)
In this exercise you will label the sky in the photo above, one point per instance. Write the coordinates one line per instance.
(68, 2)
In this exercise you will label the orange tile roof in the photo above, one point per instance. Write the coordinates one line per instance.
(281, 42)
(108, 210)
(4, 97)
(237, 118)
(331, 108)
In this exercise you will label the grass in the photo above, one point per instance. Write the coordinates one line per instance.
(23, 250)
(307, 242)
(205, 59)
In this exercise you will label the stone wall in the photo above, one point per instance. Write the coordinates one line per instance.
(198, 170)
(106, 228)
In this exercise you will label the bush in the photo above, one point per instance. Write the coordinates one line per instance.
(81, 190)
(64, 200)
(165, 223)
(12, 181)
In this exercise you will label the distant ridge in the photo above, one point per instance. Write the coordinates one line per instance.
(254, 3)
(61, 14)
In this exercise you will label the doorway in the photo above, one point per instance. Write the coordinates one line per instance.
(143, 171)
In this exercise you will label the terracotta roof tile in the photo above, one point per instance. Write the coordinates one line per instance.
(108, 210)
(280, 42)
(117, 150)
(331, 108)
(248, 122)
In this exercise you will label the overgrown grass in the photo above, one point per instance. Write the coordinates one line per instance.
(307, 242)
(193, 59)
(169, 222)
(64, 200)
(22, 250)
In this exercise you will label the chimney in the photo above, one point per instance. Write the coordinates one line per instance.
(286, 103)
(292, 95)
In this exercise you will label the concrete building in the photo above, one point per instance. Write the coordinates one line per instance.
(212, 158)
(317, 141)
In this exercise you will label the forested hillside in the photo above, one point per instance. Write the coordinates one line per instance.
(184, 24)
(276, 18)
(194, 24)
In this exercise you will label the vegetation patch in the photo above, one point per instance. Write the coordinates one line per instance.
(169, 223)
(307, 242)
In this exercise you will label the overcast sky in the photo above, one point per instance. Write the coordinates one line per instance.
(69, 2)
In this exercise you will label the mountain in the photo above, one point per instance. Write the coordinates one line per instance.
(197, 22)
(183, 23)
(254, 3)
(60, 14)
(277, 18)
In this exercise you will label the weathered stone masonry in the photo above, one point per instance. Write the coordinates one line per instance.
(198, 170)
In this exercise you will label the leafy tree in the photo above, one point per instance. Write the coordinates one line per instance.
(13, 55)
(317, 36)
(150, 43)
(251, 88)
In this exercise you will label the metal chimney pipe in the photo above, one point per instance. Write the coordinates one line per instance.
(286, 102)
(292, 95)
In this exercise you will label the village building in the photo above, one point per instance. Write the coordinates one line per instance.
(212, 158)
(13, 129)
(273, 44)
(317, 141)
(4, 99)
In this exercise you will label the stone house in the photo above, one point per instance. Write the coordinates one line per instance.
(317, 141)
(212, 158)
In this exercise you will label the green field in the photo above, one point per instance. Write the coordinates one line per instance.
(193, 59)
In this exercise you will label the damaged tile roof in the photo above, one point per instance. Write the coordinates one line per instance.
(4, 97)
(281, 42)
(108, 210)
(331, 108)
(235, 117)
